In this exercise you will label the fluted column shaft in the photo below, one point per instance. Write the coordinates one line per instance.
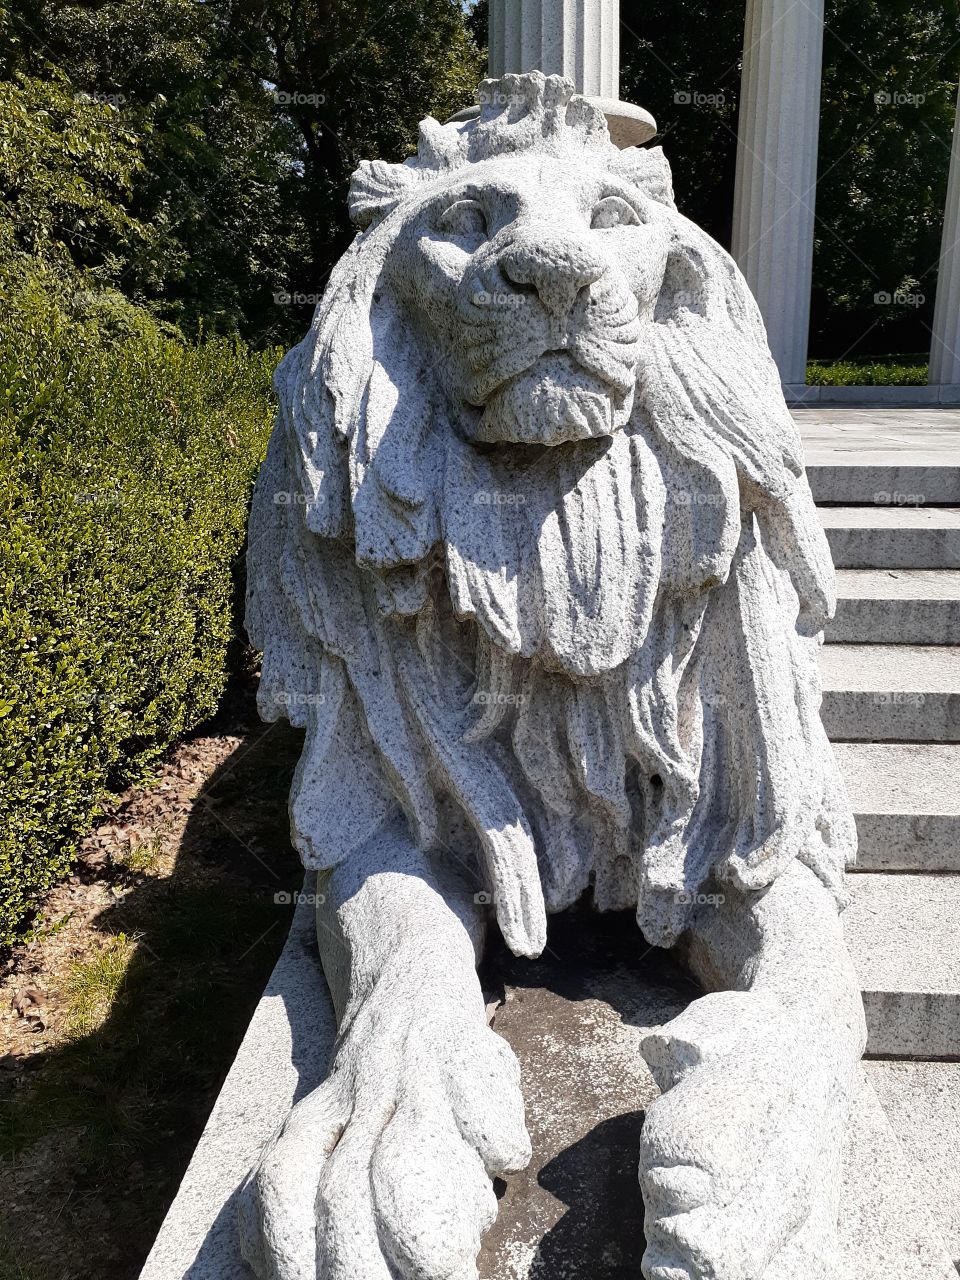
(778, 131)
(575, 38)
(945, 347)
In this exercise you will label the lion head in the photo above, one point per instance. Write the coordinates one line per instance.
(534, 448)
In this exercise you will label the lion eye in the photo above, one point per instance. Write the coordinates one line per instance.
(612, 211)
(464, 218)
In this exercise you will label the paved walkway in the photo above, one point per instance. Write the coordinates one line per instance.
(931, 437)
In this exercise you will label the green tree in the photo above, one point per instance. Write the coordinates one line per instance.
(889, 91)
(250, 116)
(687, 72)
(353, 78)
(68, 164)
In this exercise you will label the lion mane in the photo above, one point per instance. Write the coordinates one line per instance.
(588, 665)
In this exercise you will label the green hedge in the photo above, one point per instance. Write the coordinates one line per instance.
(126, 464)
(893, 371)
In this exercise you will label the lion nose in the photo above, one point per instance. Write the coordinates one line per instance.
(556, 272)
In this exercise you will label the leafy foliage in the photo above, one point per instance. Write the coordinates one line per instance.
(67, 168)
(126, 463)
(248, 116)
(867, 373)
(890, 72)
(889, 92)
(692, 86)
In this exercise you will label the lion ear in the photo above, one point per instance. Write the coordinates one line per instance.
(376, 188)
(359, 399)
(648, 169)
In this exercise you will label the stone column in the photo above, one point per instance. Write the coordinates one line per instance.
(945, 347)
(575, 38)
(777, 169)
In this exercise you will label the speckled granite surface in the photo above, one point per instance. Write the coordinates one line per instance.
(574, 1018)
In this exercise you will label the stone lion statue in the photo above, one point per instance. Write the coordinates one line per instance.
(534, 562)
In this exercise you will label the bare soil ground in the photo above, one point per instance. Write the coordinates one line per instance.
(119, 1022)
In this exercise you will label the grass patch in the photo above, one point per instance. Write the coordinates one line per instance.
(12, 1265)
(97, 1130)
(884, 371)
(143, 858)
(93, 986)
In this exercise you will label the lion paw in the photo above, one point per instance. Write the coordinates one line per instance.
(741, 1152)
(384, 1172)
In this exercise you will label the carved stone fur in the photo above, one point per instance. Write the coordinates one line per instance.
(534, 562)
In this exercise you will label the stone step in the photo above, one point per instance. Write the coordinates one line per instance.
(897, 606)
(921, 1101)
(893, 537)
(882, 456)
(891, 692)
(904, 935)
(906, 798)
(885, 484)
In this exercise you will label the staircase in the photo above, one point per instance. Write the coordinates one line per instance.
(887, 486)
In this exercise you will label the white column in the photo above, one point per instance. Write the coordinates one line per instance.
(945, 347)
(773, 212)
(575, 38)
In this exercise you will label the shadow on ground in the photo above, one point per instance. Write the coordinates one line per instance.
(96, 1133)
(575, 1019)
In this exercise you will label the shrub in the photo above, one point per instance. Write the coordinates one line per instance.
(884, 372)
(127, 459)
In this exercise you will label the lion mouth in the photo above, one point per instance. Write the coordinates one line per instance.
(561, 355)
(554, 400)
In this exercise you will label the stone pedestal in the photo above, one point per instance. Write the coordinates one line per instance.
(575, 38)
(773, 216)
(945, 347)
(575, 1018)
